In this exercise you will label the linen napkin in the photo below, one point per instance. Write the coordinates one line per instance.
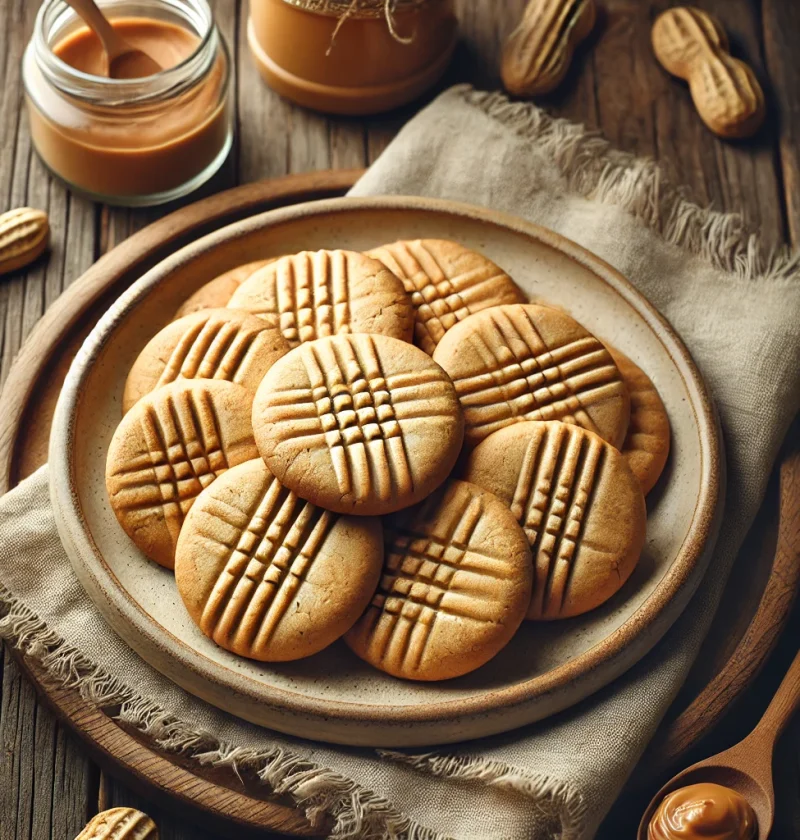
(737, 311)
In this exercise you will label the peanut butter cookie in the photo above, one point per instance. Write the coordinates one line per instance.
(219, 291)
(455, 586)
(120, 824)
(171, 445)
(529, 362)
(646, 445)
(358, 423)
(269, 576)
(317, 294)
(211, 344)
(580, 505)
(447, 283)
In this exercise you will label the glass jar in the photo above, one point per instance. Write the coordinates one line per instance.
(341, 58)
(131, 142)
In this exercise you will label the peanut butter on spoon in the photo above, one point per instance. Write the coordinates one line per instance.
(729, 796)
(703, 811)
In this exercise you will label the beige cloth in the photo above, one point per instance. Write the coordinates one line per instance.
(737, 312)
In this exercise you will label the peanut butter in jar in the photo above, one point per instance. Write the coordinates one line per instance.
(136, 141)
(351, 57)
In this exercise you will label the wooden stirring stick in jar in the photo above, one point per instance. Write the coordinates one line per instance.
(124, 60)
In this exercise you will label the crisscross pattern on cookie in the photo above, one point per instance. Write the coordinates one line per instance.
(120, 824)
(307, 295)
(557, 479)
(184, 454)
(433, 568)
(272, 545)
(312, 294)
(213, 348)
(442, 294)
(358, 412)
(525, 379)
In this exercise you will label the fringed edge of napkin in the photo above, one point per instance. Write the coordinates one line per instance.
(594, 169)
(356, 811)
(555, 800)
(320, 792)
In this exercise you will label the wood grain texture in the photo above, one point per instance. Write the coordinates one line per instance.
(48, 784)
(781, 21)
(755, 645)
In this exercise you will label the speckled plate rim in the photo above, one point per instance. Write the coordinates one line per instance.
(553, 691)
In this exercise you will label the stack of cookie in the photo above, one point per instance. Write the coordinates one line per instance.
(393, 447)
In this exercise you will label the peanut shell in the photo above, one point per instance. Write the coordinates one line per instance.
(24, 234)
(691, 44)
(538, 52)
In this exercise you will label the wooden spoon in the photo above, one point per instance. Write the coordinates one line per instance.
(123, 60)
(746, 767)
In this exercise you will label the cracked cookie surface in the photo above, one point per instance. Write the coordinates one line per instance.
(447, 283)
(647, 442)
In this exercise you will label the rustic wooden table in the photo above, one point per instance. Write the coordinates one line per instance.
(48, 786)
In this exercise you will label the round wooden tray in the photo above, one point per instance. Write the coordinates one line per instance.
(731, 659)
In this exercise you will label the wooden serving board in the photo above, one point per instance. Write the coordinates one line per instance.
(764, 583)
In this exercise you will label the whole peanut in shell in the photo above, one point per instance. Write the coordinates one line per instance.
(539, 51)
(691, 44)
(24, 234)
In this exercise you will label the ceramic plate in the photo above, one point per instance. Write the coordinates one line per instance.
(333, 696)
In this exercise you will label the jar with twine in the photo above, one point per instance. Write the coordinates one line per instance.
(351, 56)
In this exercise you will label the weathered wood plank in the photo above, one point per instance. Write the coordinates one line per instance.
(75, 783)
(17, 712)
(741, 177)
(172, 824)
(484, 27)
(278, 138)
(25, 295)
(616, 85)
(781, 30)
(113, 794)
(46, 781)
(13, 167)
